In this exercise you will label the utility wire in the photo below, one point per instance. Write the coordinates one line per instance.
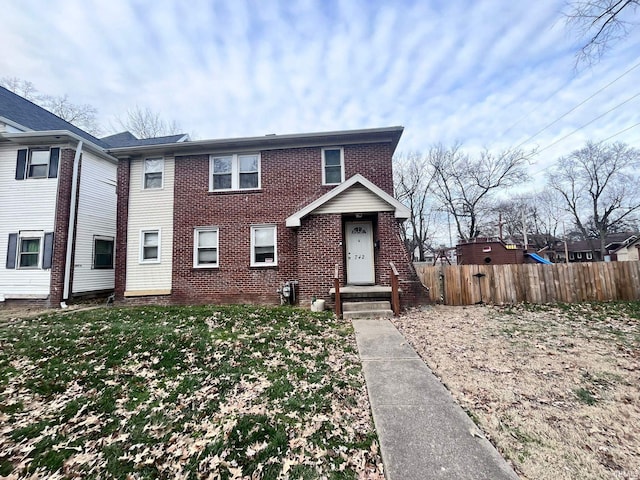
(588, 123)
(579, 105)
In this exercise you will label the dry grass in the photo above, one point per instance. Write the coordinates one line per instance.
(556, 389)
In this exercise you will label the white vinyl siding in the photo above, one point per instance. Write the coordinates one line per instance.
(96, 215)
(356, 199)
(24, 206)
(150, 209)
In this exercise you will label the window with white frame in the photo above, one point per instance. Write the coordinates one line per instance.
(234, 172)
(38, 163)
(579, 255)
(153, 173)
(150, 246)
(205, 252)
(332, 166)
(103, 252)
(589, 255)
(264, 248)
(29, 252)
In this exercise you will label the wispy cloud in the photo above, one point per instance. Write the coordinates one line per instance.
(488, 74)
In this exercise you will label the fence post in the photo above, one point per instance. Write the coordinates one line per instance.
(336, 286)
(395, 291)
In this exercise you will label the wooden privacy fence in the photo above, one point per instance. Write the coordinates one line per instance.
(532, 283)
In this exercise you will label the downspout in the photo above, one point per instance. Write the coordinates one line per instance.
(71, 226)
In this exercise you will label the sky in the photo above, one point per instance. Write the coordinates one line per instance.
(489, 74)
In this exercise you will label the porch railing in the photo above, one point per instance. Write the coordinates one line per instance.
(395, 289)
(336, 286)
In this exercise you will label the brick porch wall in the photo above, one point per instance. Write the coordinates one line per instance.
(319, 250)
(392, 250)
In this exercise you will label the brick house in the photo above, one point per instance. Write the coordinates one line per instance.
(233, 220)
(57, 205)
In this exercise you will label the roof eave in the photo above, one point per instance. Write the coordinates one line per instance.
(268, 142)
(53, 136)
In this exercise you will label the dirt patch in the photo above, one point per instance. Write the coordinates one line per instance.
(556, 389)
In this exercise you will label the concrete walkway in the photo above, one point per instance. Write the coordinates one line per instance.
(423, 433)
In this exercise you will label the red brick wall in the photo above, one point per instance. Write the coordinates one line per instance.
(319, 250)
(290, 179)
(123, 178)
(392, 250)
(61, 226)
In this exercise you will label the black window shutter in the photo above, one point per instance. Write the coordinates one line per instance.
(53, 162)
(21, 165)
(47, 257)
(11, 250)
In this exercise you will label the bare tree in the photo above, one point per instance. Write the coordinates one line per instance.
(80, 115)
(412, 179)
(466, 186)
(600, 188)
(602, 22)
(83, 116)
(24, 88)
(145, 123)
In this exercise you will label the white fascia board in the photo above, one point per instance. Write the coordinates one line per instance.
(401, 211)
(58, 135)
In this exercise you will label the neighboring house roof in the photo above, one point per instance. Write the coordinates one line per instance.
(400, 211)
(127, 139)
(633, 241)
(25, 115)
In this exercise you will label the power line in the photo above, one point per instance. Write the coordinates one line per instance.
(579, 105)
(589, 123)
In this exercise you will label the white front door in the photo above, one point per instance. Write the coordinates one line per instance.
(360, 269)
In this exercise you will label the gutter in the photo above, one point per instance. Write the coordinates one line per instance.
(71, 226)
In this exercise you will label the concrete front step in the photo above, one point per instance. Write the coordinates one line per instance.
(379, 309)
(364, 314)
(359, 306)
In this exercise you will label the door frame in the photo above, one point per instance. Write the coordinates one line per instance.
(348, 223)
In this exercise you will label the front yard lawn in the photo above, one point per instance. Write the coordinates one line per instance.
(184, 392)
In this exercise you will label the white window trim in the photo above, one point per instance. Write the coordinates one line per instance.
(113, 253)
(30, 235)
(324, 171)
(579, 255)
(235, 172)
(141, 251)
(196, 232)
(275, 245)
(589, 255)
(144, 163)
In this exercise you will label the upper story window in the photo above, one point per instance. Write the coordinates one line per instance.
(234, 172)
(264, 251)
(37, 163)
(332, 166)
(153, 173)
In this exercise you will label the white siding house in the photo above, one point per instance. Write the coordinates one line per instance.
(27, 208)
(96, 226)
(150, 227)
